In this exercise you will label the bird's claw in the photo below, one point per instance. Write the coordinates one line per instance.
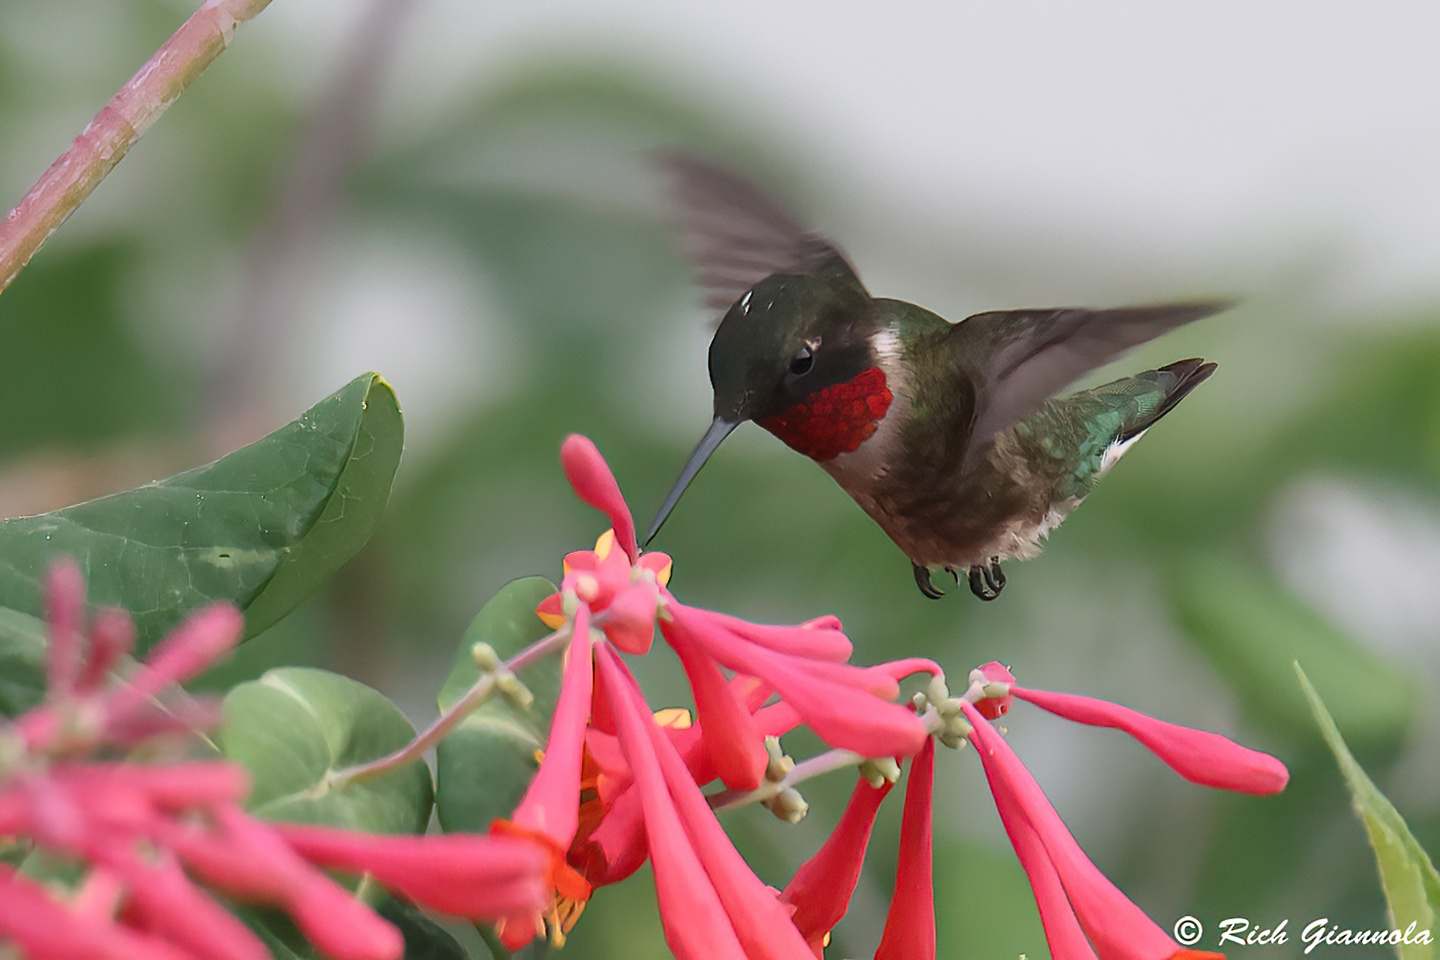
(922, 580)
(997, 576)
(986, 582)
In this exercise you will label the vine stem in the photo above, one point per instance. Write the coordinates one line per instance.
(116, 128)
(481, 691)
(827, 762)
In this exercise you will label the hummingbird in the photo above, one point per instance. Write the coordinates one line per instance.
(949, 435)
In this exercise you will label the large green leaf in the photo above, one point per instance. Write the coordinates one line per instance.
(22, 662)
(262, 527)
(484, 766)
(295, 726)
(1412, 887)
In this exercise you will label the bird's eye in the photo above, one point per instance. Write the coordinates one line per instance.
(803, 360)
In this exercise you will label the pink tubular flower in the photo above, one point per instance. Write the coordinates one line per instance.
(157, 838)
(48, 930)
(475, 877)
(1072, 894)
(711, 904)
(735, 747)
(592, 481)
(205, 636)
(1200, 757)
(614, 846)
(80, 711)
(549, 813)
(821, 889)
(910, 925)
(551, 805)
(846, 706)
(733, 668)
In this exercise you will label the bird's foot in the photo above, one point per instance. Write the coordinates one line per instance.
(986, 582)
(997, 576)
(922, 580)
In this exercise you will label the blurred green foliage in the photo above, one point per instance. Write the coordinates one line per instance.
(1166, 591)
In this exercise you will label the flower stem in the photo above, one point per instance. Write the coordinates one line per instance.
(481, 691)
(821, 763)
(827, 762)
(116, 128)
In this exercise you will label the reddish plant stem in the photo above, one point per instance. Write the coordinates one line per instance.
(479, 692)
(116, 128)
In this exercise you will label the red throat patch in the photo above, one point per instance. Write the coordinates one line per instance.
(835, 420)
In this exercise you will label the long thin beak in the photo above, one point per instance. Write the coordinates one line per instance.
(719, 430)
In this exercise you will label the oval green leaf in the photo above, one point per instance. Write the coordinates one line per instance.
(295, 726)
(484, 766)
(262, 527)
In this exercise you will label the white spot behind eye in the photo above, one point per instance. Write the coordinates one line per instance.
(886, 343)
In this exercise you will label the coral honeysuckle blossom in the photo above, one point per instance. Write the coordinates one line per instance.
(643, 789)
(153, 839)
(1083, 913)
(156, 843)
(620, 783)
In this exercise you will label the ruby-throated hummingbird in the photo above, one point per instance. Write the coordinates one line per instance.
(947, 435)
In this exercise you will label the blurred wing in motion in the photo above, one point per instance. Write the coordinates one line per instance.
(1029, 355)
(736, 234)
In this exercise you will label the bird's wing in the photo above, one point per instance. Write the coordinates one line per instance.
(736, 234)
(1021, 358)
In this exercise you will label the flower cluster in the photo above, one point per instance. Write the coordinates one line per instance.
(621, 783)
(154, 839)
(1083, 913)
(645, 777)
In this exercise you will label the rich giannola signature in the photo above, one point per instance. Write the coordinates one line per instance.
(1320, 932)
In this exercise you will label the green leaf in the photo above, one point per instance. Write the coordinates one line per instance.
(279, 933)
(1251, 630)
(424, 938)
(262, 527)
(295, 726)
(1412, 887)
(484, 766)
(22, 662)
(13, 853)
